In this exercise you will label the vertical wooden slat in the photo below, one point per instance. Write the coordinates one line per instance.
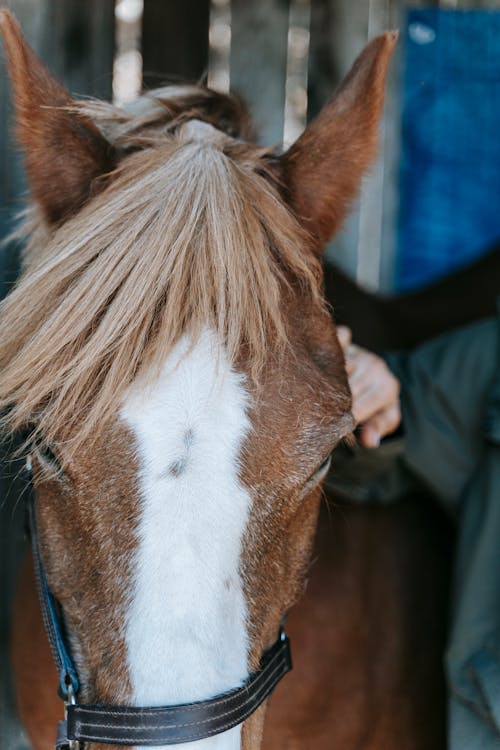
(297, 63)
(392, 156)
(259, 43)
(76, 41)
(220, 46)
(339, 30)
(174, 40)
(369, 250)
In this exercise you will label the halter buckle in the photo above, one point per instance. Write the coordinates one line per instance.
(70, 701)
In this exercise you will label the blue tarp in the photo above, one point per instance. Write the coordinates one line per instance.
(450, 173)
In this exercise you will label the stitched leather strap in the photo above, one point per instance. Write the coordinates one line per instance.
(121, 725)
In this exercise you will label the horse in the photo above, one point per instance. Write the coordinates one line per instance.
(169, 356)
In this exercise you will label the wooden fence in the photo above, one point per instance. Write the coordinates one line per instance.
(77, 41)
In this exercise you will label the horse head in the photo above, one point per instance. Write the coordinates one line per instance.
(170, 354)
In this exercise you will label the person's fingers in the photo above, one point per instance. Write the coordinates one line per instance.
(380, 425)
(349, 366)
(378, 395)
(373, 387)
(349, 349)
(365, 368)
(359, 362)
(369, 437)
(344, 335)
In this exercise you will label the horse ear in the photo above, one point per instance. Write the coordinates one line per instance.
(322, 170)
(64, 151)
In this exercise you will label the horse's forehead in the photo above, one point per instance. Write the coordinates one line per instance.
(299, 412)
(196, 407)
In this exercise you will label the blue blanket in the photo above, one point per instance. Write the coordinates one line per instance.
(450, 173)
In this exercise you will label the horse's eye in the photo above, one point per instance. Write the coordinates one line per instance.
(320, 472)
(323, 468)
(48, 458)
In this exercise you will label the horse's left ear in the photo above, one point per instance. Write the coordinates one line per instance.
(64, 151)
(322, 170)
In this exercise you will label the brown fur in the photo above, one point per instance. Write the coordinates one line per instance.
(81, 520)
(36, 678)
(369, 634)
(187, 231)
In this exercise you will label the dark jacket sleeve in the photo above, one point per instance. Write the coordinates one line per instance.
(445, 393)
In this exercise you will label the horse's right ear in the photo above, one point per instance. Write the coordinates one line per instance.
(64, 151)
(322, 170)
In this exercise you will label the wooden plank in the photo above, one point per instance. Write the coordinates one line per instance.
(259, 43)
(76, 41)
(174, 40)
(339, 30)
(365, 247)
(369, 250)
(391, 145)
(296, 75)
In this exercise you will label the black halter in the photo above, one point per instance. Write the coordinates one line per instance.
(129, 725)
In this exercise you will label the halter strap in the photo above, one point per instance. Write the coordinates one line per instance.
(68, 678)
(129, 725)
(147, 727)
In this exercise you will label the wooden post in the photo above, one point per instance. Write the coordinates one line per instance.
(76, 41)
(259, 43)
(174, 40)
(339, 30)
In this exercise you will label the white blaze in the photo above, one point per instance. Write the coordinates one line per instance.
(186, 626)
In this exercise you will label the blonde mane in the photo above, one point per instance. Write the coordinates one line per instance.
(186, 235)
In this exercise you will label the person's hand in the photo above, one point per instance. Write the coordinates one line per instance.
(375, 391)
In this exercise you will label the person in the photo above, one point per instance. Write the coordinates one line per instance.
(441, 401)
